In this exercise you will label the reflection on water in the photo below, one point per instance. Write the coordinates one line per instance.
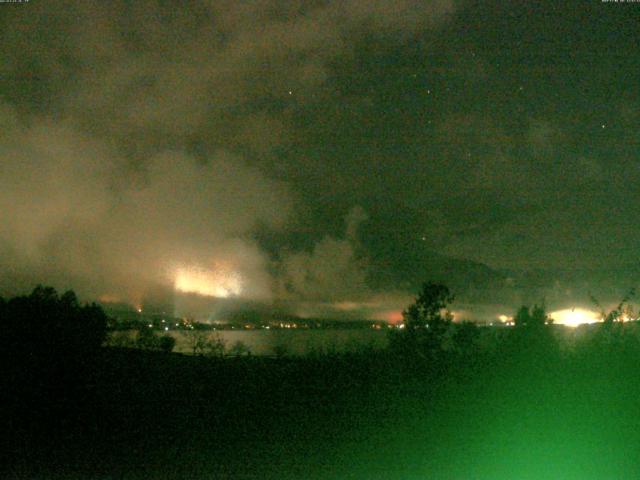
(294, 342)
(290, 342)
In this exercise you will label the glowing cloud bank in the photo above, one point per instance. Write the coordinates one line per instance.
(211, 283)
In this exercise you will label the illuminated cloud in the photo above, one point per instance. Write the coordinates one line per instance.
(76, 215)
(115, 150)
(212, 283)
(332, 271)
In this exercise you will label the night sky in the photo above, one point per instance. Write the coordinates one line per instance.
(325, 156)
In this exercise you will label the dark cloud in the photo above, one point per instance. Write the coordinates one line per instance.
(133, 134)
(232, 141)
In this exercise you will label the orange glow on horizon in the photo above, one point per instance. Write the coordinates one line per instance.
(394, 317)
(109, 298)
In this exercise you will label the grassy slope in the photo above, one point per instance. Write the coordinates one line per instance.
(135, 415)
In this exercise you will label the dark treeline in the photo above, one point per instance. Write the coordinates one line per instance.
(430, 333)
(443, 401)
(44, 324)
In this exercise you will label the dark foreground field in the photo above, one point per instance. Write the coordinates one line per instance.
(133, 415)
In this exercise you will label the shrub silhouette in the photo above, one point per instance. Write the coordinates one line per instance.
(465, 338)
(532, 341)
(146, 338)
(166, 343)
(239, 349)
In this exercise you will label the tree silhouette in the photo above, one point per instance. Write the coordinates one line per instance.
(612, 335)
(533, 340)
(623, 308)
(533, 318)
(215, 346)
(426, 321)
(429, 311)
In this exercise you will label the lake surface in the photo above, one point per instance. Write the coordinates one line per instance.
(289, 341)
